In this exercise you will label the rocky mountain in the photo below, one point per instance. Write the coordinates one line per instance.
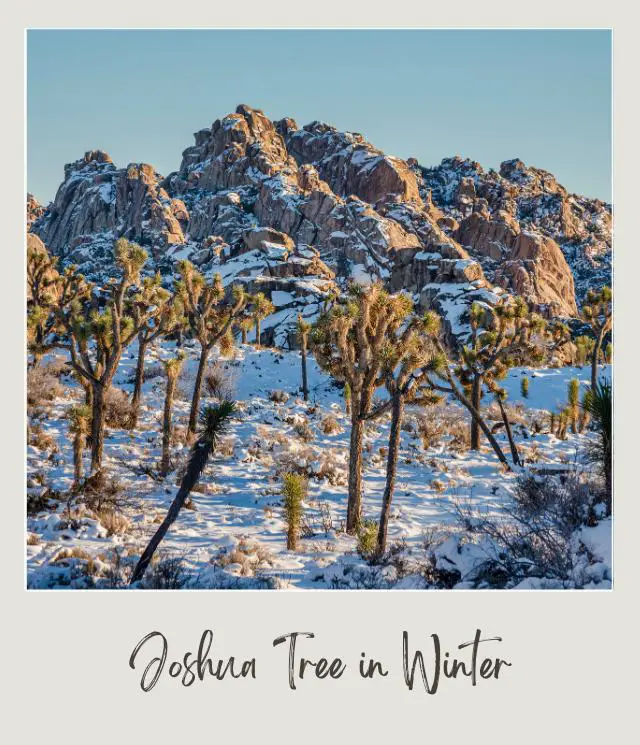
(293, 211)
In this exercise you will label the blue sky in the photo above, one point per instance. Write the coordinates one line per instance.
(542, 96)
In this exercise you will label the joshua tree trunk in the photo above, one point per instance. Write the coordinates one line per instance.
(397, 408)
(197, 390)
(355, 471)
(476, 397)
(244, 335)
(258, 332)
(185, 487)
(483, 426)
(98, 411)
(166, 424)
(137, 387)
(78, 448)
(360, 405)
(305, 388)
(507, 426)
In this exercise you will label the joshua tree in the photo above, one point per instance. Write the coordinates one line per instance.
(294, 491)
(48, 293)
(598, 403)
(444, 380)
(261, 307)
(573, 401)
(349, 340)
(584, 348)
(111, 330)
(303, 329)
(79, 421)
(165, 319)
(524, 387)
(597, 311)
(245, 324)
(211, 312)
(214, 421)
(500, 337)
(407, 359)
(172, 369)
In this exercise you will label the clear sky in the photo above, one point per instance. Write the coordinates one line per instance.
(542, 96)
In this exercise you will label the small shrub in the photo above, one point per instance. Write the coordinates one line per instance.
(33, 539)
(330, 425)
(304, 431)
(279, 397)
(43, 386)
(439, 423)
(114, 522)
(220, 382)
(166, 574)
(117, 408)
(40, 439)
(294, 491)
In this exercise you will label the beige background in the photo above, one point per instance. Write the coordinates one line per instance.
(64, 671)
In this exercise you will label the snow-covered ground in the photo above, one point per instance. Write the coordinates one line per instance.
(235, 535)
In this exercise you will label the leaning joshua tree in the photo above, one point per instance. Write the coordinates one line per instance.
(500, 336)
(597, 311)
(97, 336)
(172, 369)
(349, 340)
(211, 312)
(303, 328)
(214, 421)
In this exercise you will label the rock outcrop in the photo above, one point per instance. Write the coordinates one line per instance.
(96, 200)
(529, 200)
(295, 211)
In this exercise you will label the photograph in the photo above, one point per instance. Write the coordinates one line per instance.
(318, 309)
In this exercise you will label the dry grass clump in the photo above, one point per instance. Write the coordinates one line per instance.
(329, 425)
(443, 424)
(220, 381)
(279, 397)
(304, 431)
(43, 385)
(247, 557)
(117, 408)
(33, 539)
(114, 522)
(226, 447)
(40, 439)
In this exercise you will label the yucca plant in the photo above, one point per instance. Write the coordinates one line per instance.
(573, 401)
(79, 425)
(598, 403)
(524, 387)
(294, 491)
(214, 423)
